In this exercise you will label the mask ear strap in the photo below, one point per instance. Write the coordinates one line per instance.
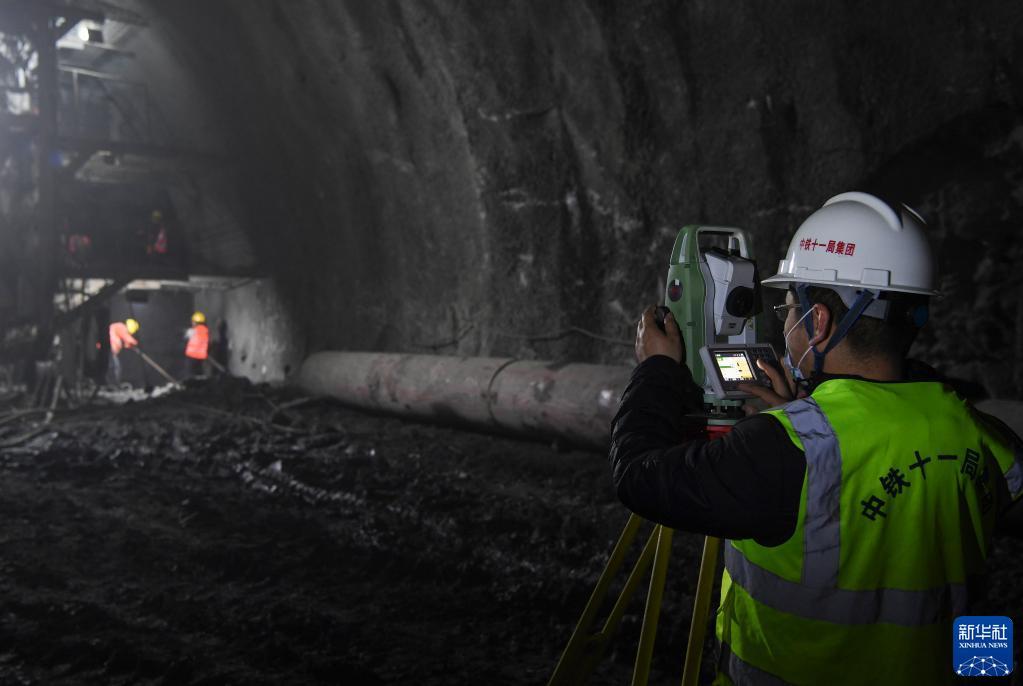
(861, 303)
(804, 302)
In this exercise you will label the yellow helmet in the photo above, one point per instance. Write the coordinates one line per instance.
(198, 318)
(133, 326)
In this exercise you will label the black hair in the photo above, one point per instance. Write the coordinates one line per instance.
(869, 336)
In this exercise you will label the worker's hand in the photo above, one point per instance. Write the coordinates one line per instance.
(781, 390)
(650, 340)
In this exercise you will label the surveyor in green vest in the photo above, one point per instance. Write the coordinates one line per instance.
(859, 510)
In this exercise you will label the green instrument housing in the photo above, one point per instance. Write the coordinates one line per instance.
(687, 293)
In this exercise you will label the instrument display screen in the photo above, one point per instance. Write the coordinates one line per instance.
(729, 365)
(734, 365)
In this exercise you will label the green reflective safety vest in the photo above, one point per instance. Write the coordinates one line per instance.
(897, 508)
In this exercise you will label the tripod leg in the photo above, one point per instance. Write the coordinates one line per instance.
(596, 644)
(572, 667)
(701, 611)
(648, 634)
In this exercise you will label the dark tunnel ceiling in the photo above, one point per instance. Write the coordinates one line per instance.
(421, 172)
(129, 140)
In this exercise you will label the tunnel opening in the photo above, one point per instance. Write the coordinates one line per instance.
(250, 333)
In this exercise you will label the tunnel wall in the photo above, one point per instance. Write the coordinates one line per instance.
(450, 177)
(264, 342)
(259, 337)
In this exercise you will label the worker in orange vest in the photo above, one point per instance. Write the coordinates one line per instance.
(197, 348)
(121, 336)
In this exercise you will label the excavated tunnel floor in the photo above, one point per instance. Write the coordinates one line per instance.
(234, 534)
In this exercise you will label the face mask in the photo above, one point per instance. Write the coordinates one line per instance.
(794, 369)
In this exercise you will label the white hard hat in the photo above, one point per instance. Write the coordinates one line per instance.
(856, 240)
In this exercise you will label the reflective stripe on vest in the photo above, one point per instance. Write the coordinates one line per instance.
(1014, 477)
(857, 597)
(821, 544)
(818, 596)
(1014, 474)
(742, 672)
(840, 606)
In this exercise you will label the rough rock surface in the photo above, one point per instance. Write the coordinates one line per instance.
(438, 175)
(212, 537)
(186, 540)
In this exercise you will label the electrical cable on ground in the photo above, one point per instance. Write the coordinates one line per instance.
(566, 332)
(528, 337)
(445, 344)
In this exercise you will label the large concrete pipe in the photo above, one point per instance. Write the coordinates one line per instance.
(575, 402)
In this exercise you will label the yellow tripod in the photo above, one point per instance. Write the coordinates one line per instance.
(587, 646)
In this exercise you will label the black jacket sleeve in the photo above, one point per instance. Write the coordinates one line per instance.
(744, 485)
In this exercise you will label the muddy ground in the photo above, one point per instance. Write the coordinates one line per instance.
(210, 537)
